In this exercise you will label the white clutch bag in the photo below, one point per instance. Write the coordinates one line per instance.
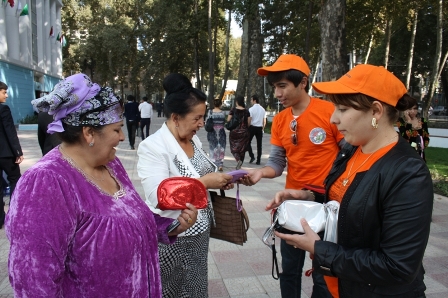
(292, 211)
(320, 217)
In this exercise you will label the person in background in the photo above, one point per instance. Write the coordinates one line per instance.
(384, 189)
(132, 115)
(46, 140)
(305, 142)
(145, 109)
(76, 225)
(175, 151)
(10, 150)
(159, 109)
(3, 186)
(415, 130)
(256, 128)
(239, 137)
(217, 138)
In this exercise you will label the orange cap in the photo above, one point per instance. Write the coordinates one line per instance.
(374, 81)
(286, 62)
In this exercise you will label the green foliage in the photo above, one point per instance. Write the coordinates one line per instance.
(437, 161)
(29, 119)
(441, 187)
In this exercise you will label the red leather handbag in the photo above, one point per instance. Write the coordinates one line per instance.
(175, 192)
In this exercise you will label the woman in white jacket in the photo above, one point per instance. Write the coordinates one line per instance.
(173, 151)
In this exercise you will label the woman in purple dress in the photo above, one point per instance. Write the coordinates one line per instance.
(76, 224)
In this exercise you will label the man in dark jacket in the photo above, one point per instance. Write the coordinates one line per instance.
(132, 115)
(10, 151)
(46, 140)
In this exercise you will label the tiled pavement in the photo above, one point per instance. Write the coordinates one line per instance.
(245, 271)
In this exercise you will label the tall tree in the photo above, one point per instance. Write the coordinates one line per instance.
(211, 54)
(436, 69)
(333, 49)
(411, 48)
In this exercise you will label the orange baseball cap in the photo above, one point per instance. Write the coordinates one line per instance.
(286, 62)
(374, 81)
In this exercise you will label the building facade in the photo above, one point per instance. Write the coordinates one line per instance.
(30, 53)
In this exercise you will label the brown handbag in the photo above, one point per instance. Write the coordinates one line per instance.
(230, 224)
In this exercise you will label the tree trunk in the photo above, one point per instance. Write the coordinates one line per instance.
(211, 84)
(369, 49)
(411, 50)
(242, 73)
(226, 67)
(196, 53)
(388, 35)
(332, 27)
(308, 32)
(255, 82)
(436, 66)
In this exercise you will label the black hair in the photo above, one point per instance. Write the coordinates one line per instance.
(180, 97)
(217, 102)
(3, 86)
(292, 75)
(255, 97)
(130, 98)
(145, 98)
(240, 100)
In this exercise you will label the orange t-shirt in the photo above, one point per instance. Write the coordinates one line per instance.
(310, 161)
(359, 162)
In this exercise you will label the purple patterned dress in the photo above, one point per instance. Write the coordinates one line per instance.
(70, 239)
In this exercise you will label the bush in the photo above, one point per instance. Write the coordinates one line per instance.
(29, 119)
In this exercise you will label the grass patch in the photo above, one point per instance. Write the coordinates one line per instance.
(437, 161)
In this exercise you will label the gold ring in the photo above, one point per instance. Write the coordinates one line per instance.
(295, 246)
(189, 220)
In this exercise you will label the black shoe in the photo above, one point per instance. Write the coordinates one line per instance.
(252, 159)
(132, 148)
(258, 163)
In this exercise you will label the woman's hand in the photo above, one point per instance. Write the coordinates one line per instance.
(305, 241)
(288, 194)
(217, 181)
(406, 116)
(187, 218)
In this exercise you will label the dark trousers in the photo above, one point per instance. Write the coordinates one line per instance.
(3, 185)
(12, 170)
(293, 260)
(132, 128)
(145, 122)
(258, 133)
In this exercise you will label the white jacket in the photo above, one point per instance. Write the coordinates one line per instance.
(156, 156)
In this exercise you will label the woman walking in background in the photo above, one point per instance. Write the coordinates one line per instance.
(217, 138)
(415, 130)
(239, 137)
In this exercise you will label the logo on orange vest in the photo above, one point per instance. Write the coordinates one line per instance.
(318, 135)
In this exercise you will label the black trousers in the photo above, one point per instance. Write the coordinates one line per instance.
(145, 122)
(132, 128)
(12, 169)
(256, 131)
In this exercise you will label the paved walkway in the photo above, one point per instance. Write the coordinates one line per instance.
(245, 271)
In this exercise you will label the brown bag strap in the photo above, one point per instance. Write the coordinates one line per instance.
(243, 211)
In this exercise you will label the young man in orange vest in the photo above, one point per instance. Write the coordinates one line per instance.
(304, 140)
